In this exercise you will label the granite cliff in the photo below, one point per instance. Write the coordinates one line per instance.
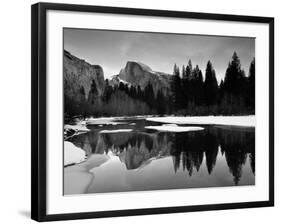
(137, 73)
(79, 74)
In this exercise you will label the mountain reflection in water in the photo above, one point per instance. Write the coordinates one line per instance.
(150, 160)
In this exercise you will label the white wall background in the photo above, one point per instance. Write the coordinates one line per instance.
(15, 110)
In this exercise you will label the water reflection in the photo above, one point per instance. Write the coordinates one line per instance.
(190, 152)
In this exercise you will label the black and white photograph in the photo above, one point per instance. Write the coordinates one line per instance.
(140, 111)
(157, 111)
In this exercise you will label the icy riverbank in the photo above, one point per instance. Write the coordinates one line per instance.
(244, 121)
(73, 154)
(77, 178)
(174, 128)
(71, 130)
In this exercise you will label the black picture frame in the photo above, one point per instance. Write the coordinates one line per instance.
(39, 122)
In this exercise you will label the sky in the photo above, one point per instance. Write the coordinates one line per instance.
(112, 49)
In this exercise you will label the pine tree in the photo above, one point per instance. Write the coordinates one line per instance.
(177, 96)
(108, 90)
(93, 92)
(234, 76)
(160, 102)
(190, 65)
(183, 75)
(140, 94)
(251, 87)
(126, 88)
(133, 92)
(210, 85)
(196, 86)
(149, 95)
(121, 86)
(186, 83)
(220, 91)
(82, 102)
(235, 87)
(200, 90)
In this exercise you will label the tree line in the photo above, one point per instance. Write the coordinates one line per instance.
(155, 102)
(191, 95)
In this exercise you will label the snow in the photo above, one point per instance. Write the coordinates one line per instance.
(77, 178)
(116, 131)
(95, 160)
(125, 82)
(71, 130)
(174, 128)
(103, 121)
(73, 154)
(116, 80)
(113, 120)
(154, 72)
(79, 127)
(243, 121)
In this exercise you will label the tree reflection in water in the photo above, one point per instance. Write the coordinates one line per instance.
(188, 150)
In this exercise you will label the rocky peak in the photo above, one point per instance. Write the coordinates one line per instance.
(137, 73)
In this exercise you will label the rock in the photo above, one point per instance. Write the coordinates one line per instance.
(137, 73)
(79, 74)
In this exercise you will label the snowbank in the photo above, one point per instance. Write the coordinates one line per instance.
(77, 178)
(116, 131)
(103, 121)
(244, 121)
(114, 120)
(73, 154)
(80, 127)
(71, 130)
(174, 128)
